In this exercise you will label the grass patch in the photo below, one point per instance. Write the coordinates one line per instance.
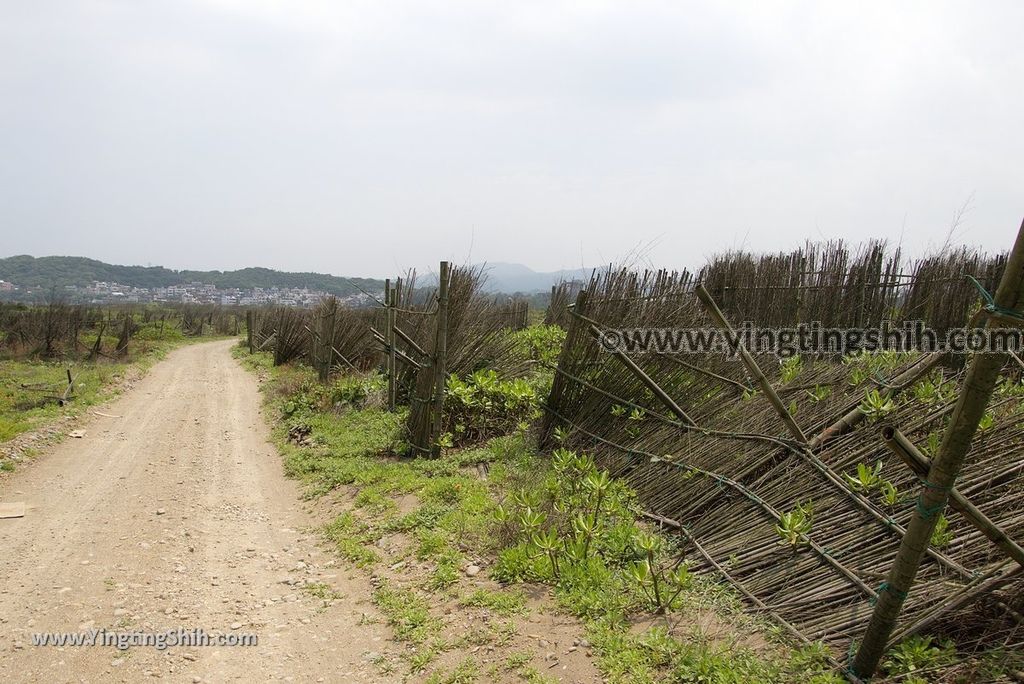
(511, 602)
(351, 538)
(465, 672)
(407, 613)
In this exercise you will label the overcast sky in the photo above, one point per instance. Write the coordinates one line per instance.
(359, 138)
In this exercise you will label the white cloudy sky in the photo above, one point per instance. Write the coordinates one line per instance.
(358, 138)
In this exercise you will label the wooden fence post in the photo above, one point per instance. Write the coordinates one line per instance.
(440, 354)
(326, 341)
(968, 411)
(389, 337)
(248, 328)
(396, 300)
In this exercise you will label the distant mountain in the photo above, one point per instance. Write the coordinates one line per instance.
(58, 271)
(505, 277)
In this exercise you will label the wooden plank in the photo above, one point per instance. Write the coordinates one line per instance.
(12, 510)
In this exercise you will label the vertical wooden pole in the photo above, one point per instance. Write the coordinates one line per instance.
(968, 411)
(393, 389)
(440, 358)
(326, 341)
(389, 337)
(248, 328)
(329, 339)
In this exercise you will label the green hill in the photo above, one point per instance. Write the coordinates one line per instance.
(58, 271)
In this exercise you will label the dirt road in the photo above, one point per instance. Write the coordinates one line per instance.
(175, 514)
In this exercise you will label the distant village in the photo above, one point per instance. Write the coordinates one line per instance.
(99, 292)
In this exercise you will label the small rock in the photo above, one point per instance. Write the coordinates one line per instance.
(160, 511)
(236, 625)
(472, 570)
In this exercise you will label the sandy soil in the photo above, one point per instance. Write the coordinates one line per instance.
(175, 514)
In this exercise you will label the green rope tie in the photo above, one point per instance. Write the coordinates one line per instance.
(886, 587)
(932, 485)
(990, 301)
(850, 653)
(882, 382)
(928, 512)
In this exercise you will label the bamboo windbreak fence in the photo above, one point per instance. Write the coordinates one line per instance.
(403, 336)
(473, 338)
(712, 458)
(722, 451)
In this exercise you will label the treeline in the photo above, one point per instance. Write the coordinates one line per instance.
(58, 271)
(69, 332)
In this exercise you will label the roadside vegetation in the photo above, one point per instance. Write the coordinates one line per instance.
(497, 563)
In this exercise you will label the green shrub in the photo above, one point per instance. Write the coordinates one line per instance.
(483, 406)
(539, 343)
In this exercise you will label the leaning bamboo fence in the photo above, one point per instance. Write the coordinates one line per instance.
(718, 463)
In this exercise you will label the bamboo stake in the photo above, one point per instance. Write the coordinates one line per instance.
(67, 390)
(390, 339)
(645, 379)
(752, 367)
(440, 360)
(399, 354)
(970, 407)
(342, 357)
(856, 415)
(248, 328)
(595, 332)
(729, 381)
(921, 464)
(411, 342)
(270, 338)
